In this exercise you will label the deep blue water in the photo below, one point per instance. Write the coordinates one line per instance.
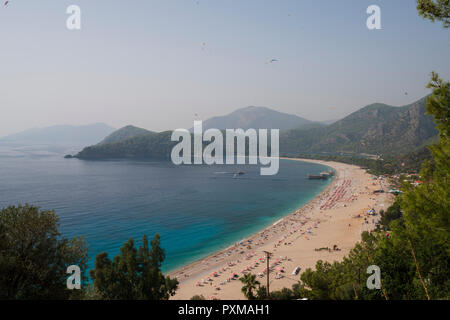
(195, 209)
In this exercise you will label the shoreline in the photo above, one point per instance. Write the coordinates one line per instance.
(180, 270)
(309, 216)
(177, 271)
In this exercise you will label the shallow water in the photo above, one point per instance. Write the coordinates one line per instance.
(196, 209)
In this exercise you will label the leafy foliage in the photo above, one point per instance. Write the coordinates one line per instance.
(135, 274)
(394, 212)
(33, 256)
(407, 163)
(152, 145)
(125, 133)
(286, 293)
(435, 10)
(198, 297)
(250, 283)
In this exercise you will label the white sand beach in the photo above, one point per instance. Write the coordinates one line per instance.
(334, 219)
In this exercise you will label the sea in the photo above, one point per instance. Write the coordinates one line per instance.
(196, 209)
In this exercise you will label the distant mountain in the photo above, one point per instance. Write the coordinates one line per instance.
(257, 118)
(60, 135)
(375, 129)
(125, 133)
(133, 142)
(151, 145)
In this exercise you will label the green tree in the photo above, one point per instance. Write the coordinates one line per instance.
(425, 227)
(286, 294)
(135, 274)
(346, 280)
(438, 105)
(261, 293)
(435, 10)
(250, 284)
(392, 213)
(34, 257)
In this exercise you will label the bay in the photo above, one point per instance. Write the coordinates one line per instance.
(196, 209)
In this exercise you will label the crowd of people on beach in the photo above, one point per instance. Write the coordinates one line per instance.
(226, 274)
(245, 254)
(338, 194)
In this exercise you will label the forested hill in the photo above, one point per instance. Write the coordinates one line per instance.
(150, 145)
(376, 129)
(257, 118)
(125, 133)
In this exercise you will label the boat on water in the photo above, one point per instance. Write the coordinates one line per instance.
(239, 173)
(322, 176)
(313, 177)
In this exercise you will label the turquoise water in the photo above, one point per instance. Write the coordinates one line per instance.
(195, 209)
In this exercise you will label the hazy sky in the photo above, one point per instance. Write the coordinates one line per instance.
(144, 62)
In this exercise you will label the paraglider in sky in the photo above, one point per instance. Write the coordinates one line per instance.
(272, 61)
(6, 3)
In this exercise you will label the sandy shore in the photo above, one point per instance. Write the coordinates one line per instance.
(329, 220)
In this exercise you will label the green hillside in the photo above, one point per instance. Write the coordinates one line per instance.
(257, 118)
(377, 129)
(125, 133)
(152, 145)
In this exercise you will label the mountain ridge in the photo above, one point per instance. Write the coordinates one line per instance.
(125, 133)
(376, 129)
(255, 117)
(60, 135)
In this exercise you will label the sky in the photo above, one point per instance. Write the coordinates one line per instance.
(157, 63)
